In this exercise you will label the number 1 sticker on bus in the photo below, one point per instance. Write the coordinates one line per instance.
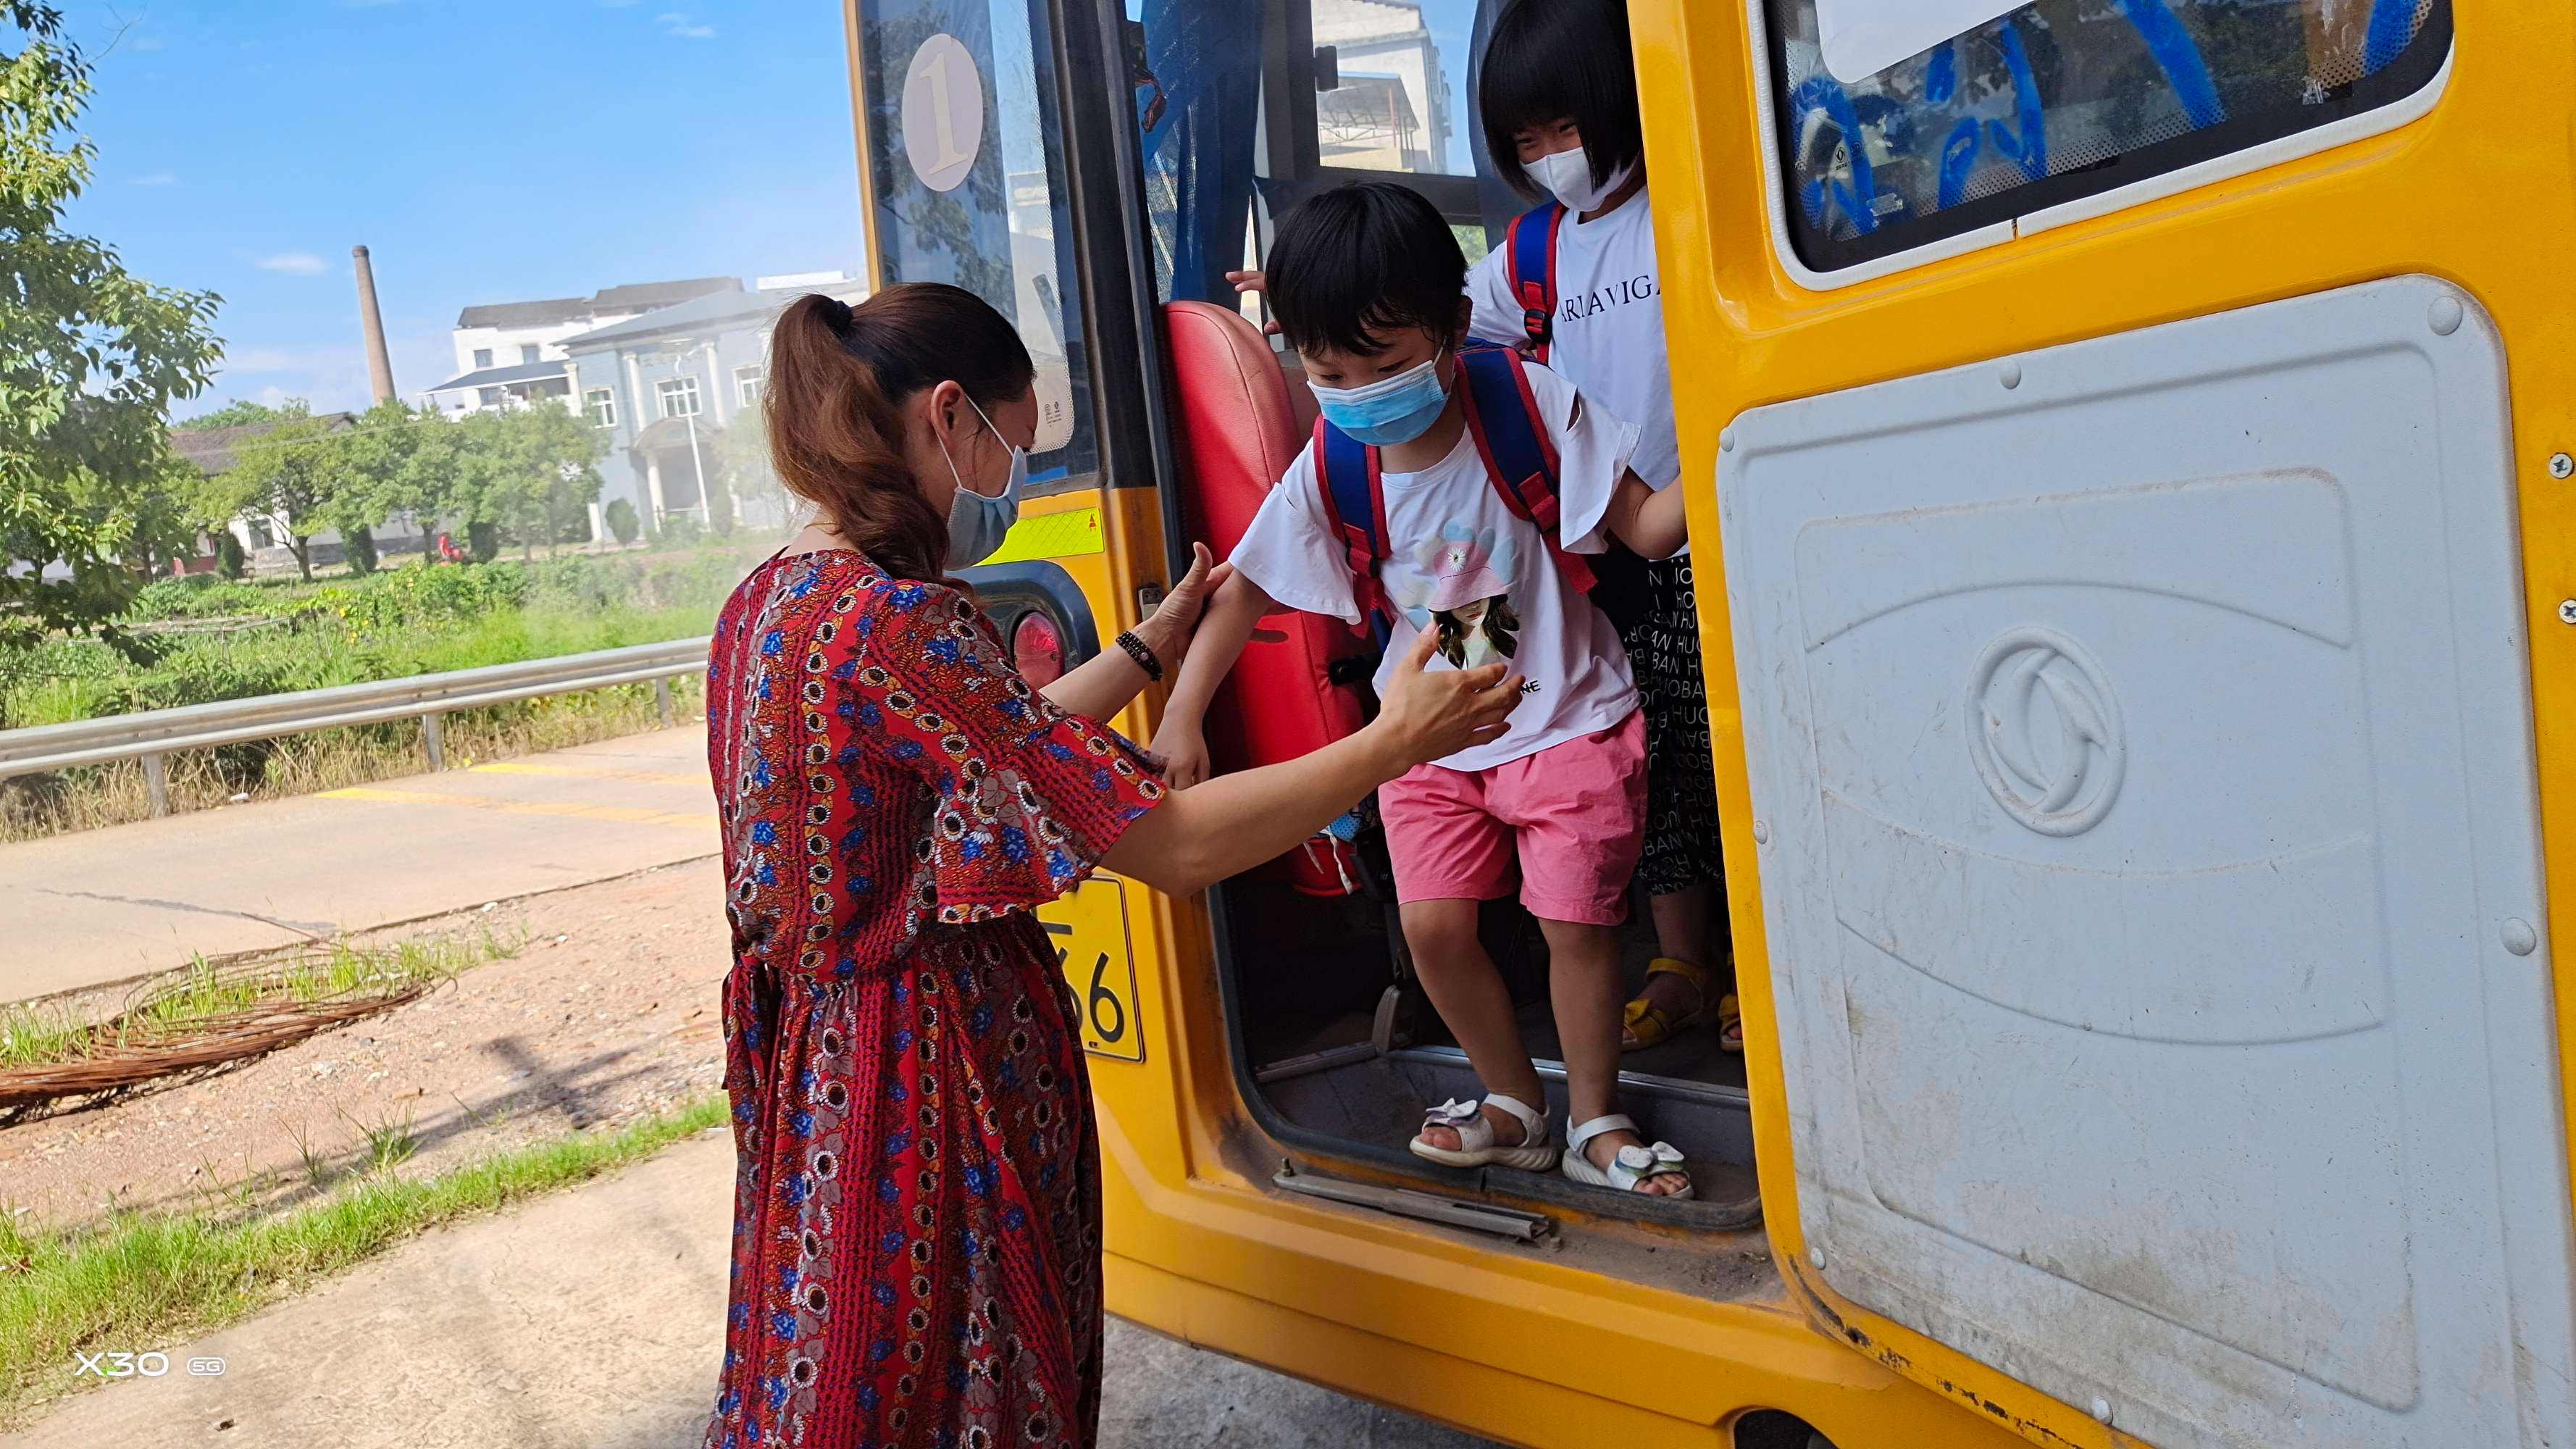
(1089, 929)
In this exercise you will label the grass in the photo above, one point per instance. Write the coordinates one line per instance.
(272, 637)
(140, 1280)
(43, 1035)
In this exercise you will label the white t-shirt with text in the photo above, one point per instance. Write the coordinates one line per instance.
(1608, 332)
(1459, 555)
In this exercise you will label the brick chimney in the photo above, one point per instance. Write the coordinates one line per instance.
(380, 366)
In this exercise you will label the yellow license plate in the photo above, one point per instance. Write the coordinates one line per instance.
(1099, 960)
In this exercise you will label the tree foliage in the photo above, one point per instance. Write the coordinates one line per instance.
(289, 474)
(531, 469)
(91, 357)
(743, 466)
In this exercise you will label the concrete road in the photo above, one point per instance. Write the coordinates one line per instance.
(108, 905)
(591, 1320)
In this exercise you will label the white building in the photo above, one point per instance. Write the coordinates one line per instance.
(1393, 111)
(514, 350)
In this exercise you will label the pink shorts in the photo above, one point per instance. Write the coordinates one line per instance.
(1567, 823)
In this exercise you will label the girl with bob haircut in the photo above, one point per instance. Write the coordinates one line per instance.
(1558, 92)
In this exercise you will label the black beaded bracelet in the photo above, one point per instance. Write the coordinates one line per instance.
(1143, 656)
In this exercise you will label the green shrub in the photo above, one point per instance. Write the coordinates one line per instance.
(622, 520)
(482, 542)
(360, 546)
(228, 556)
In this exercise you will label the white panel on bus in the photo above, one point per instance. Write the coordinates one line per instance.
(2141, 744)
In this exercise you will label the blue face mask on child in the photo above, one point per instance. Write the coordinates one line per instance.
(1390, 411)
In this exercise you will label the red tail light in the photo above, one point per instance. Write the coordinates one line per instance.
(1037, 647)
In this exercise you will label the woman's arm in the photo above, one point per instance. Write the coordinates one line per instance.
(1196, 838)
(1102, 685)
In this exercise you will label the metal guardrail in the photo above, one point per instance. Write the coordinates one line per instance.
(151, 734)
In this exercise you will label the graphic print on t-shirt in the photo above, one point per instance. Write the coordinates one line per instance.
(1461, 580)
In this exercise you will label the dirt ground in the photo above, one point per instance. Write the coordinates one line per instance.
(607, 1012)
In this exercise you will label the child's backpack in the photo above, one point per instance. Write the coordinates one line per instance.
(1529, 268)
(1519, 455)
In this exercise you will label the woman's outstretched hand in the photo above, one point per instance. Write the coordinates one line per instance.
(1168, 632)
(1424, 715)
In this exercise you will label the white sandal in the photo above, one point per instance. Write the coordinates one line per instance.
(1476, 1136)
(1632, 1164)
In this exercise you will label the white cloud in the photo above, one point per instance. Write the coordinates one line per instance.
(297, 264)
(157, 178)
(681, 25)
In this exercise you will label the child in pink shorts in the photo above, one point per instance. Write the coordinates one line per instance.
(1464, 538)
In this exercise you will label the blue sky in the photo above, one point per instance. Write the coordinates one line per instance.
(483, 150)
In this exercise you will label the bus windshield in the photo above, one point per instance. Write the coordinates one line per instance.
(965, 176)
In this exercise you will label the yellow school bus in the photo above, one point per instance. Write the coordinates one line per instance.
(2128, 445)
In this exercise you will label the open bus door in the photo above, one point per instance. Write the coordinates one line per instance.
(2131, 575)
(2133, 430)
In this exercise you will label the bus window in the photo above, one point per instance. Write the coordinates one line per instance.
(1244, 109)
(965, 174)
(1402, 68)
(2063, 100)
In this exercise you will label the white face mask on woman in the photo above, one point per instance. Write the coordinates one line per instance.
(1568, 177)
(976, 523)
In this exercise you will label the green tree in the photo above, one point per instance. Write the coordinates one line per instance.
(373, 462)
(91, 358)
(743, 466)
(622, 522)
(288, 474)
(230, 415)
(551, 472)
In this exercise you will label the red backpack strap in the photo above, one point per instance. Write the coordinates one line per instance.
(1518, 450)
(1354, 496)
(1529, 266)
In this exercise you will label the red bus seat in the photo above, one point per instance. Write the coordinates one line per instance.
(1238, 432)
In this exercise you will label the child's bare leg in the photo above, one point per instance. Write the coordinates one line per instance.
(1583, 985)
(1682, 921)
(1471, 998)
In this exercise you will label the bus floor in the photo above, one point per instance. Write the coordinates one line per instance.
(1685, 1091)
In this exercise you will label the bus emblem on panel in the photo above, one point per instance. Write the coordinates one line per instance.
(2044, 731)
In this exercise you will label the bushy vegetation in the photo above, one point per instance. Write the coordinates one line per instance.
(386, 625)
(204, 639)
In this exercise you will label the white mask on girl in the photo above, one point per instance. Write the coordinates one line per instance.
(1568, 177)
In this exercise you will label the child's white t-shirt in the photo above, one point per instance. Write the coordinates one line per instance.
(1608, 333)
(1456, 549)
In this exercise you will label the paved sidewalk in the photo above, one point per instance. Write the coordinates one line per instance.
(590, 1320)
(102, 906)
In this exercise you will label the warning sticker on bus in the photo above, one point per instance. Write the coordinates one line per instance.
(1093, 945)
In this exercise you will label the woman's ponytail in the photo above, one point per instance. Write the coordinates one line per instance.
(838, 377)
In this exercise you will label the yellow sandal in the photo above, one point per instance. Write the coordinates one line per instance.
(1649, 1026)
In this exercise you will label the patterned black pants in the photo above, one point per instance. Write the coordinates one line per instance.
(1662, 636)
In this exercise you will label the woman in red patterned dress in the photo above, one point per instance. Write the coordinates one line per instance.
(916, 1251)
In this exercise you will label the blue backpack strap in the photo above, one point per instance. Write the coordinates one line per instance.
(1346, 476)
(1519, 452)
(1529, 266)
